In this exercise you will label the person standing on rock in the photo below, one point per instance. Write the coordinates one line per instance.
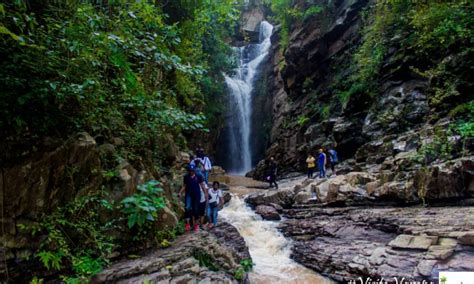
(273, 170)
(322, 163)
(193, 184)
(207, 168)
(311, 162)
(216, 200)
(333, 160)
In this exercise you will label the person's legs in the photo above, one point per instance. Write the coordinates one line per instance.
(206, 176)
(188, 212)
(273, 179)
(202, 212)
(321, 170)
(214, 215)
(196, 212)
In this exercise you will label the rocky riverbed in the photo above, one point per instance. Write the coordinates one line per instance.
(353, 240)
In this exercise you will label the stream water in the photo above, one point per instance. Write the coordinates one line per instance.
(269, 249)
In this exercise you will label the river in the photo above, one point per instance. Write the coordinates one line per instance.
(269, 249)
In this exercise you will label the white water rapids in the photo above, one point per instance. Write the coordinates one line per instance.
(269, 249)
(240, 87)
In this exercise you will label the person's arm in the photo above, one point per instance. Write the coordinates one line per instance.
(181, 190)
(206, 191)
(221, 198)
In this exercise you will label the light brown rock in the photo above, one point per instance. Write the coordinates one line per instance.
(413, 242)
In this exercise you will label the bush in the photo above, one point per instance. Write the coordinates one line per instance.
(76, 236)
(144, 205)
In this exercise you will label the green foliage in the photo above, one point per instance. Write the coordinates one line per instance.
(205, 260)
(436, 35)
(465, 124)
(76, 236)
(164, 237)
(124, 69)
(239, 273)
(144, 205)
(286, 13)
(247, 264)
(302, 120)
(244, 267)
(440, 147)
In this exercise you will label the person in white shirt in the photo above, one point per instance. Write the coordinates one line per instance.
(207, 168)
(216, 200)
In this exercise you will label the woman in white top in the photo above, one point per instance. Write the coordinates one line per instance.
(215, 202)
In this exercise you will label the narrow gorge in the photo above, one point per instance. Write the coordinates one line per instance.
(105, 104)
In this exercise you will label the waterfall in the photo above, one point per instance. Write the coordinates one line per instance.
(240, 87)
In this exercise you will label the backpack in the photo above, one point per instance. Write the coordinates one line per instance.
(333, 156)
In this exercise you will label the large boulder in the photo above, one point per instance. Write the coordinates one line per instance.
(268, 212)
(348, 188)
(453, 179)
(284, 198)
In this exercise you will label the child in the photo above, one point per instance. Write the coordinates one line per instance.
(215, 202)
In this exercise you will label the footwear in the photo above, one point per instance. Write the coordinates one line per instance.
(187, 227)
(210, 226)
(196, 228)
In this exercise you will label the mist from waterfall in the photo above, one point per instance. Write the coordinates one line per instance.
(240, 87)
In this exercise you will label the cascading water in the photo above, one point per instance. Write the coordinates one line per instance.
(269, 249)
(240, 87)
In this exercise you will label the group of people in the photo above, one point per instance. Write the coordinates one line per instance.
(325, 158)
(200, 200)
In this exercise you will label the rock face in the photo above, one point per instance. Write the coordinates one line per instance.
(390, 134)
(42, 184)
(414, 243)
(185, 261)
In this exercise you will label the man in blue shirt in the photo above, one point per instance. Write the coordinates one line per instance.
(322, 163)
(192, 184)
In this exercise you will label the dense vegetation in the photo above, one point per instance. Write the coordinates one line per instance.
(435, 38)
(149, 73)
(130, 69)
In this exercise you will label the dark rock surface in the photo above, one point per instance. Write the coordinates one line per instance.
(414, 243)
(337, 235)
(179, 263)
(268, 212)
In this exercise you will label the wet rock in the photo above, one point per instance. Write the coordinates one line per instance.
(216, 170)
(282, 197)
(227, 196)
(180, 264)
(268, 212)
(277, 207)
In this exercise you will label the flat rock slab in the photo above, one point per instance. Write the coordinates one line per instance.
(413, 242)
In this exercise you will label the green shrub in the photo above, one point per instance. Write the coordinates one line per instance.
(75, 236)
(144, 205)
